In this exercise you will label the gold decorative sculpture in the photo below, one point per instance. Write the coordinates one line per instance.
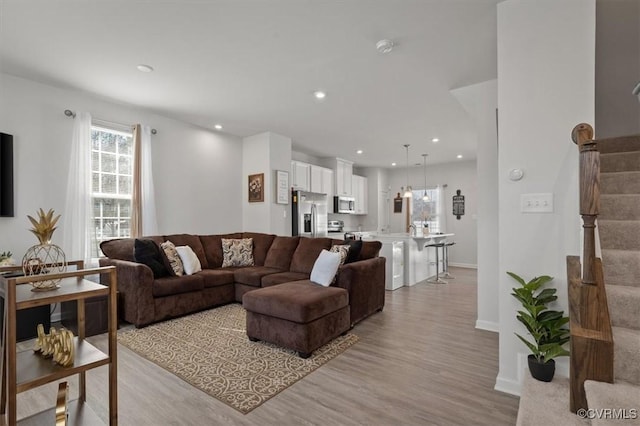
(45, 257)
(57, 345)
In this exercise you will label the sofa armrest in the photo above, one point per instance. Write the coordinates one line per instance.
(135, 282)
(364, 280)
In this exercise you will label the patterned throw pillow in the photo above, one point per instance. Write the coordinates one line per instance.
(343, 250)
(173, 257)
(237, 252)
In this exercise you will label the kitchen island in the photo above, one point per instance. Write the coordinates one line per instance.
(417, 258)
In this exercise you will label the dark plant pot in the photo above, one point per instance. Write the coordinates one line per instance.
(541, 371)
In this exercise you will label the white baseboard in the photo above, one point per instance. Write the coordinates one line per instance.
(464, 265)
(488, 326)
(512, 387)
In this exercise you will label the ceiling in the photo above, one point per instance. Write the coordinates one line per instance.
(252, 65)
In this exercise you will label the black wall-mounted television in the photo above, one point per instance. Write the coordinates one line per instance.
(6, 175)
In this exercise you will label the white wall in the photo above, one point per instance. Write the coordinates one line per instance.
(480, 101)
(196, 172)
(457, 175)
(617, 67)
(265, 153)
(546, 58)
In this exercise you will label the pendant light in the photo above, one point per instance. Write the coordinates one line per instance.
(408, 192)
(425, 197)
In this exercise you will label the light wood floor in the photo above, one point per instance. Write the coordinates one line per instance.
(419, 362)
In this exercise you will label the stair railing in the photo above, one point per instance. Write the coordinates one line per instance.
(591, 338)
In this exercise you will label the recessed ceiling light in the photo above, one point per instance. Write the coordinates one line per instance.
(384, 46)
(144, 68)
(393, 164)
(319, 94)
(359, 151)
(218, 127)
(435, 140)
(459, 156)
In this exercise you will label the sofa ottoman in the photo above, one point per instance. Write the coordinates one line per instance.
(298, 315)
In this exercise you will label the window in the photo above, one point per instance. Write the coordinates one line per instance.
(111, 184)
(427, 211)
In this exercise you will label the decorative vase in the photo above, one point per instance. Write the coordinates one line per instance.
(541, 371)
(44, 259)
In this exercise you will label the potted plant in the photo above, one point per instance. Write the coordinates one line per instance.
(546, 326)
(6, 259)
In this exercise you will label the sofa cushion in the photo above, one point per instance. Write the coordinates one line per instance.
(168, 286)
(325, 268)
(119, 248)
(217, 277)
(212, 245)
(307, 252)
(237, 252)
(280, 252)
(283, 277)
(370, 249)
(173, 257)
(298, 301)
(189, 260)
(147, 252)
(253, 275)
(261, 245)
(343, 250)
(192, 241)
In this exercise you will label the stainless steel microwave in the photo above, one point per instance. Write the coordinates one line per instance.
(343, 204)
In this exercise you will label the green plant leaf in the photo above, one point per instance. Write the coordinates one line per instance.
(516, 277)
(533, 348)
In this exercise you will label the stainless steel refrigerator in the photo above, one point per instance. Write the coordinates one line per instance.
(309, 214)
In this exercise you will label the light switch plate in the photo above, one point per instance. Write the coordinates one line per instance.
(536, 203)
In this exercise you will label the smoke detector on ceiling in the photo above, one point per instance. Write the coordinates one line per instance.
(384, 46)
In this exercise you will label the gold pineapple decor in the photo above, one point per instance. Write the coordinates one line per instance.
(44, 258)
(44, 227)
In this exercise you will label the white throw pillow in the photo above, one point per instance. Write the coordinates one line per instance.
(189, 260)
(325, 268)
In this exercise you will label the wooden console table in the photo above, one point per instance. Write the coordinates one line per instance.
(26, 370)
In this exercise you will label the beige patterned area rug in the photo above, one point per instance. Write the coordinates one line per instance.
(210, 350)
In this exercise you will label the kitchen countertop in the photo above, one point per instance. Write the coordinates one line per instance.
(420, 240)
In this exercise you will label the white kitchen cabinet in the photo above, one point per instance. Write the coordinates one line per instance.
(344, 173)
(316, 179)
(360, 190)
(327, 186)
(300, 176)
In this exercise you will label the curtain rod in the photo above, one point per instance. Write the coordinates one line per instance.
(72, 114)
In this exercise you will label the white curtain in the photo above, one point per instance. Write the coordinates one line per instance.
(442, 209)
(147, 196)
(78, 229)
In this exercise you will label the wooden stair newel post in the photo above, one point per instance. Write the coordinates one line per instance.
(582, 135)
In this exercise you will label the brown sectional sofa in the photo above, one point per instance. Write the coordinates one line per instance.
(277, 260)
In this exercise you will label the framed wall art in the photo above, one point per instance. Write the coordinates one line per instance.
(256, 188)
(282, 187)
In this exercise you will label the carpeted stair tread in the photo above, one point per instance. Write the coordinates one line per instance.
(546, 403)
(626, 355)
(624, 306)
(619, 207)
(619, 234)
(619, 144)
(619, 395)
(621, 267)
(620, 162)
(620, 183)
